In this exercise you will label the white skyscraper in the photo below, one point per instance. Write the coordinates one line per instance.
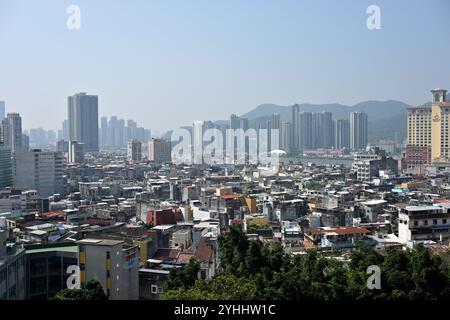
(83, 120)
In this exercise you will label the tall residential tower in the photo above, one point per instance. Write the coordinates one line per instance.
(358, 130)
(11, 131)
(83, 120)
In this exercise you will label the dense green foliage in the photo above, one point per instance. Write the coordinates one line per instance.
(91, 290)
(252, 270)
(183, 278)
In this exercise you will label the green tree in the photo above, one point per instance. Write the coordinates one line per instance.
(183, 278)
(233, 247)
(396, 274)
(428, 274)
(91, 290)
(253, 270)
(222, 287)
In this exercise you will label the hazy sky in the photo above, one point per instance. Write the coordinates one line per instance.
(167, 63)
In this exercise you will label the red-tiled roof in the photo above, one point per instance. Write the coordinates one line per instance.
(440, 200)
(439, 249)
(53, 214)
(184, 257)
(204, 251)
(232, 196)
(339, 230)
(347, 230)
(166, 254)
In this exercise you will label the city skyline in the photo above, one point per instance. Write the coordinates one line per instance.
(213, 81)
(338, 111)
(281, 153)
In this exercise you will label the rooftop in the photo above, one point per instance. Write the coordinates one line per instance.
(100, 242)
(63, 248)
(373, 202)
(422, 208)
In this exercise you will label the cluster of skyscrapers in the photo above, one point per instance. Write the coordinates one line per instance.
(306, 131)
(83, 126)
(25, 168)
(41, 169)
(318, 130)
(81, 133)
(116, 133)
(41, 138)
(313, 130)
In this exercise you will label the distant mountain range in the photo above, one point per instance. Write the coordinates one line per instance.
(386, 118)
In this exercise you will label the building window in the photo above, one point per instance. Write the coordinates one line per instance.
(416, 223)
(425, 222)
(434, 221)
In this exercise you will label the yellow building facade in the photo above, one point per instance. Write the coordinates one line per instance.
(428, 126)
(439, 126)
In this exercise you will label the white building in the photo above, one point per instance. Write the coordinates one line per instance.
(373, 163)
(76, 152)
(181, 239)
(39, 170)
(419, 223)
(291, 232)
(373, 208)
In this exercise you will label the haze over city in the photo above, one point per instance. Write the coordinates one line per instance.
(168, 63)
(225, 159)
